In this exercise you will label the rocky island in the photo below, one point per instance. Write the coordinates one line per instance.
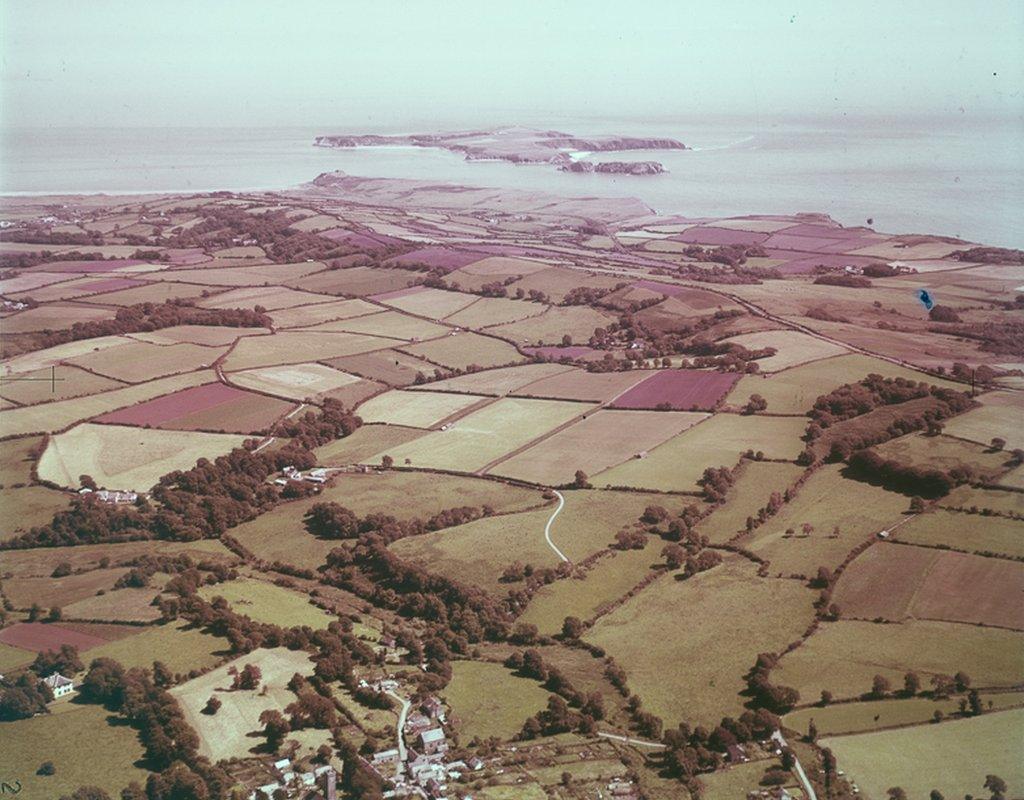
(520, 145)
(615, 167)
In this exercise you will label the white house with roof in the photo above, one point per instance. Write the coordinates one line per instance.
(59, 685)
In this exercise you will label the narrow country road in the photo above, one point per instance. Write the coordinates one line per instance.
(402, 753)
(777, 736)
(547, 528)
(627, 740)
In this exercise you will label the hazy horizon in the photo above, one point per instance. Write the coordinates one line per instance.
(232, 64)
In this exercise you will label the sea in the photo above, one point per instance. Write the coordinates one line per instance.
(952, 175)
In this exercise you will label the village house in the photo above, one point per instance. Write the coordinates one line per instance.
(417, 723)
(59, 685)
(433, 742)
(433, 708)
(386, 757)
(736, 754)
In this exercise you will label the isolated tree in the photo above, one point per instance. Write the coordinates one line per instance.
(212, 706)
(962, 681)
(998, 443)
(572, 628)
(674, 555)
(996, 785)
(46, 768)
(754, 404)
(916, 505)
(812, 731)
(35, 612)
(974, 702)
(387, 461)
(911, 684)
(55, 614)
(896, 793)
(247, 678)
(826, 697)
(87, 482)
(880, 686)
(61, 570)
(275, 727)
(935, 794)
(581, 480)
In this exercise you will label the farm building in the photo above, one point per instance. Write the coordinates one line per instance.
(433, 742)
(59, 685)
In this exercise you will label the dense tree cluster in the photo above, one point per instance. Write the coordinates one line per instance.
(910, 479)
(990, 255)
(765, 694)
(138, 318)
(846, 281)
(330, 520)
(202, 502)
(692, 751)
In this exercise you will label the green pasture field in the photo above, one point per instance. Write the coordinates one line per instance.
(753, 487)
(970, 532)
(266, 602)
(489, 700)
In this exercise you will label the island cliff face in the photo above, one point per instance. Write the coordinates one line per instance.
(518, 146)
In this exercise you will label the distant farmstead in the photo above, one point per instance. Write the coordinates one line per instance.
(59, 685)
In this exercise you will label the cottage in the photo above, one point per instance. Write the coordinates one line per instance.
(433, 742)
(433, 708)
(386, 757)
(417, 723)
(736, 754)
(59, 685)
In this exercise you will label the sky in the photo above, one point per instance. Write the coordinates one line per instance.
(305, 62)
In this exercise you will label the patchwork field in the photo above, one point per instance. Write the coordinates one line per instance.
(754, 485)
(226, 733)
(279, 535)
(426, 302)
(294, 381)
(415, 409)
(476, 440)
(465, 350)
(389, 324)
(843, 657)
(271, 298)
(181, 647)
(29, 506)
(842, 513)
(266, 602)
(52, 317)
(604, 583)
(896, 582)
(210, 407)
(366, 442)
(576, 322)
(487, 312)
(142, 361)
(39, 637)
(487, 700)
(692, 390)
(479, 551)
(597, 442)
(354, 281)
(794, 348)
(294, 347)
(794, 391)
(969, 497)
(305, 316)
(578, 384)
(969, 532)
(718, 441)
(54, 383)
(47, 591)
(110, 762)
(983, 424)
(501, 381)
(387, 366)
(953, 757)
(122, 605)
(686, 645)
(213, 335)
(120, 457)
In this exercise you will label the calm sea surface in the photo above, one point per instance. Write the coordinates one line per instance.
(950, 176)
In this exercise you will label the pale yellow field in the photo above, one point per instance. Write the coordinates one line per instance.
(501, 381)
(578, 384)
(793, 348)
(197, 334)
(954, 757)
(51, 356)
(241, 276)
(596, 443)
(463, 350)
(120, 457)
(795, 390)
(321, 312)
(686, 645)
(50, 417)
(271, 298)
(500, 265)
(294, 381)
(431, 303)
(392, 324)
(290, 347)
(141, 361)
(414, 409)
(578, 322)
(678, 463)
(226, 733)
(1000, 416)
(488, 311)
(756, 225)
(478, 439)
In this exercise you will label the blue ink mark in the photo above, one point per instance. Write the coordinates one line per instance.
(926, 299)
